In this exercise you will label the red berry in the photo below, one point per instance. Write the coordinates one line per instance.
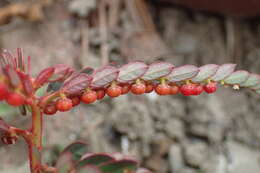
(100, 94)
(50, 109)
(174, 89)
(125, 88)
(210, 87)
(89, 97)
(149, 88)
(163, 89)
(75, 101)
(138, 88)
(3, 92)
(114, 91)
(198, 90)
(187, 89)
(15, 99)
(64, 104)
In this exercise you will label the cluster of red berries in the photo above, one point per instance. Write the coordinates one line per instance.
(12, 98)
(139, 87)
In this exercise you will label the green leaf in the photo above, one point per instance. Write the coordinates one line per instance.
(77, 149)
(119, 166)
(258, 91)
(237, 77)
(183, 73)
(224, 71)
(252, 80)
(205, 72)
(157, 70)
(256, 87)
(131, 71)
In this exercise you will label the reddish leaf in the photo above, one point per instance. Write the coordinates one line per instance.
(183, 73)
(76, 84)
(13, 76)
(157, 70)
(61, 72)
(94, 159)
(237, 77)
(131, 71)
(224, 71)
(103, 76)
(43, 76)
(205, 72)
(27, 83)
(252, 80)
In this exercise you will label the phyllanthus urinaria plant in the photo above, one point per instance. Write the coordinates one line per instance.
(66, 88)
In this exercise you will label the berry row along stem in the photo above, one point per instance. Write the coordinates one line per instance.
(67, 88)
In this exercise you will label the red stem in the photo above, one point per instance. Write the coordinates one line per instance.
(35, 142)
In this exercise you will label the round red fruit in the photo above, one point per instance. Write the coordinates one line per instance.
(163, 89)
(187, 89)
(64, 104)
(210, 87)
(174, 90)
(50, 109)
(89, 97)
(138, 88)
(114, 91)
(100, 94)
(75, 101)
(198, 90)
(15, 99)
(125, 88)
(149, 88)
(3, 91)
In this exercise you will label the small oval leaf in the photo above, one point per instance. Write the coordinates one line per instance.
(61, 72)
(252, 80)
(131, 71)
(237, 77)
(205, 72)
(157, 70)
(77, 149)
(119, 166)
(256, 87)
(103, 76)
(43, 76)
(76, 84)
(94, 159)
(183, 73)
(258, 91)
(223, 71)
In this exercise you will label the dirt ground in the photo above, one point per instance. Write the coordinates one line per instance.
(208, 134)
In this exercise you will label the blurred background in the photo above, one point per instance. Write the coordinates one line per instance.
(172, 134)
